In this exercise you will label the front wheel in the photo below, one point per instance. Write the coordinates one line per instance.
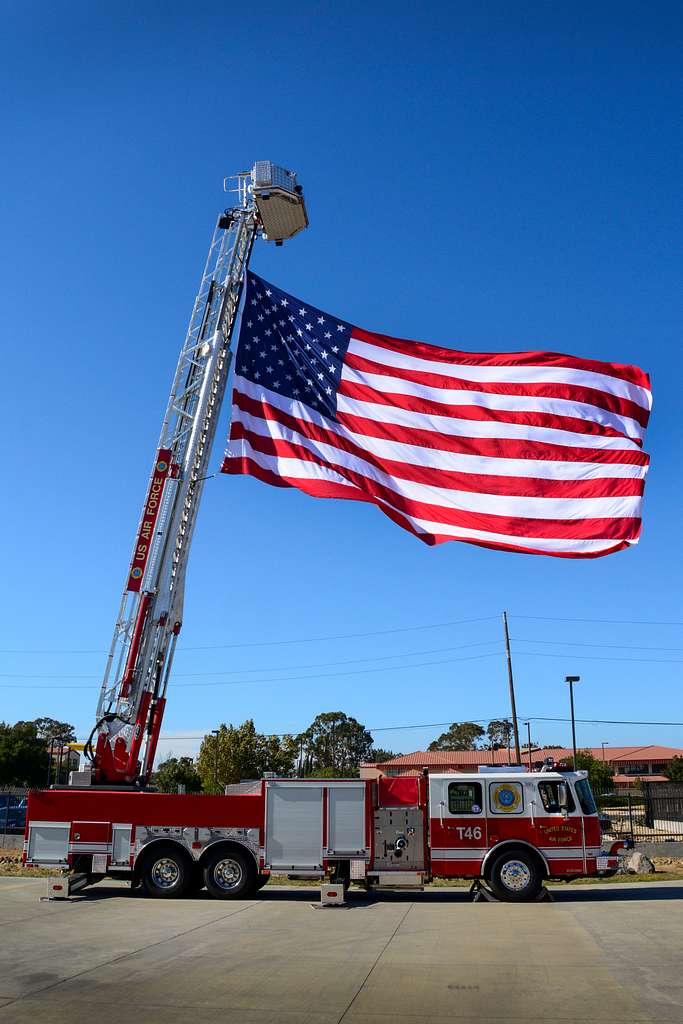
(515, 876)
(230, 874)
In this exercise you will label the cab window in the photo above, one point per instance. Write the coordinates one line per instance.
(550, 797)
(585, 795)
(464, 798)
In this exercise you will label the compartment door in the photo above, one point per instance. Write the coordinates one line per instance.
(346, 834)
(294, 827)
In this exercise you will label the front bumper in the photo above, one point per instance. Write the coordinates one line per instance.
(607, 862)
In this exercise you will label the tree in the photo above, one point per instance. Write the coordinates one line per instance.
(674, 769)
(177, 771)
(334, 741)
(52, 731)
(460, 736)
(599, 773)
(23, 756)
(240, 752)
(378, 755)
(499, 733)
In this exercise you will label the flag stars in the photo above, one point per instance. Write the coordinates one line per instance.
(302, 312)
(283, 302)
(321, 319)
(340, 327)
(335, 349)
(309, 327)
(328, 335)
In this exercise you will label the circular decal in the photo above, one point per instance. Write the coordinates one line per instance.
(506, 797)
(475, 809)
(162, 466)
(136, 573)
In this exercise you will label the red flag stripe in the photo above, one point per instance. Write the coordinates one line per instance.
(282, 426)
(622, 407)
(455, 360)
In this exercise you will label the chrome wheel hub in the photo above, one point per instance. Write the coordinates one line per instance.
(515, 875)
(165, 873)
(227, 874)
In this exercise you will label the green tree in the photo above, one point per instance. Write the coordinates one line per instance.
(599, 773)
(379, 755)
(674, 769)
(460, 736)
(23, 756)
(177, 771)
(335, 742)
(240, 752)
(499, 733)
(52, 731)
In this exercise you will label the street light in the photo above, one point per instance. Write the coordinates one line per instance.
(571, 680)
(603, 745)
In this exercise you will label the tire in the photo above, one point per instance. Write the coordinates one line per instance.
(230, 874)
(515, 876)
(261, 880)
(166, 872)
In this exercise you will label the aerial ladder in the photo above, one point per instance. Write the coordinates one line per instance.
(123, 742)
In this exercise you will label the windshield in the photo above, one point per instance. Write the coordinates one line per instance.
(585, 795)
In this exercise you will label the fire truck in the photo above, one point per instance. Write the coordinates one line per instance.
(513, 829)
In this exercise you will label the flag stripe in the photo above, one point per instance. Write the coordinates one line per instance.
(625, 381)
(282, 426)
(589, 396)
(373, 438)
(499, 408)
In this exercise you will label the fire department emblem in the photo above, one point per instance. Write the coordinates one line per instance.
(506, 798)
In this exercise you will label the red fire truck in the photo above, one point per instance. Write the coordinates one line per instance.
(512, 829)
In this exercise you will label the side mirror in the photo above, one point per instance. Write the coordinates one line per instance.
(563, 797)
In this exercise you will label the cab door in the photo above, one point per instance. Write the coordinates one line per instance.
(458, 826)
(558, 835)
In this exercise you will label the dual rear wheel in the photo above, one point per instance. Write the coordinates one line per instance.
(228, 873)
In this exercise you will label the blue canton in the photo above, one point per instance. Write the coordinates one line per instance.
(291, 347)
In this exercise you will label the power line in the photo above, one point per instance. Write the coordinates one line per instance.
(283, 679)
(597, 657)
(576, 643)
(270, 668)
(442, 725)
(275, 643)
(612, 622)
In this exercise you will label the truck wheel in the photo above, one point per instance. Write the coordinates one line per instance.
(515, 876)
(166, 872)
(230, 874)
(261, 880)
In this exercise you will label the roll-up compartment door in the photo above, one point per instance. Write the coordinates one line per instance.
(346, 819)
(294, 826)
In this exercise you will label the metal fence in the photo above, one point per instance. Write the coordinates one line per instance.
(648, 812)
(13, 811)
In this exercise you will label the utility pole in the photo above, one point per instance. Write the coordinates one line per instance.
(528, 738)
(511, 681)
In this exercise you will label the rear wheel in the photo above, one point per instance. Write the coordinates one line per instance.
(515, 876)
(261, 880)
(230, 874)
(166, 873)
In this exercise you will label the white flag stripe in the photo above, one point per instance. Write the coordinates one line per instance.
(296, 469)
(512, 506)
(388, 385)
(479, 428)
(506, 374)
(416, 455)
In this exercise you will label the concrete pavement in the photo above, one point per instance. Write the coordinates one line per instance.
(608, 954)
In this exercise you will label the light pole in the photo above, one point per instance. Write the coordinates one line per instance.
(603, 745)
(528, 737)
(216, 733)
(571, 680)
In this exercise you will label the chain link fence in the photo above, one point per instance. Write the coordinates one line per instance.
(13, 802)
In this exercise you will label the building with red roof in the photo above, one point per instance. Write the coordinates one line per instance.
(628, 763)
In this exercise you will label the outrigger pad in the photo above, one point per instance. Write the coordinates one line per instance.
(482, 894)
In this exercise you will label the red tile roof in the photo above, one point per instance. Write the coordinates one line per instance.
(472, 758)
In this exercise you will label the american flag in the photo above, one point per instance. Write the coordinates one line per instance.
(526, 451)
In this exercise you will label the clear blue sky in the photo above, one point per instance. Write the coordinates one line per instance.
(489, 176)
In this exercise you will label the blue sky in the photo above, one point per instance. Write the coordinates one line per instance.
(490, 176)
